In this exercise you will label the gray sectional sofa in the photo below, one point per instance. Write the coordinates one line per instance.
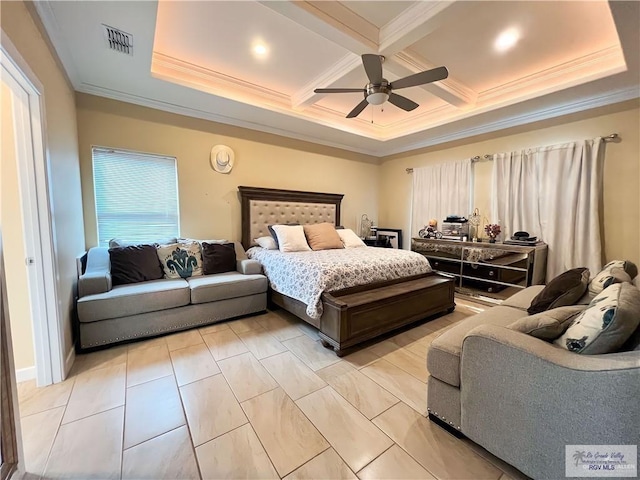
(522, 398)
(110, 314)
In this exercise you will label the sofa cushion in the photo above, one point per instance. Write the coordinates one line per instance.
(565, 289)
(218, 258)
(221, 286)
(550, 324)
(180, 260)
(523, 298)
(617, 271)
(610, 320)
(134, 298)
(135, 263)
(443, 358)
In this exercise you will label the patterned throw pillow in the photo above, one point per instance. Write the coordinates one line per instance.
(180, 260)
(608, 322)
(617, 271)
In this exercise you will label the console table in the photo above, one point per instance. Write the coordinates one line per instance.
(481, 267)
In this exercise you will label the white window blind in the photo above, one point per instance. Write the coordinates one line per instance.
(136, 196)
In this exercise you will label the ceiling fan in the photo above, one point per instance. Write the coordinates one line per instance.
(379, 90)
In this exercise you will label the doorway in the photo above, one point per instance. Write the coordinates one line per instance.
(30, 268)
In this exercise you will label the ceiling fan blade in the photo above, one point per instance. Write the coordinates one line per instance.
(373, 66)
(402, 102)
(359, 108)
(339, 90)
(421, 78)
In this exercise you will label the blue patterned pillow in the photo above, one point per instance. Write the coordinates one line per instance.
(608, 322)
(180, 260)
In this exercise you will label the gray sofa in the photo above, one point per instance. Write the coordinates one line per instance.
(524, 399)
(110, 314)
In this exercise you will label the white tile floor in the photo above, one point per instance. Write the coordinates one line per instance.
(252, 398)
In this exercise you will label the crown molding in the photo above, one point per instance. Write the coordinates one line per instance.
(306, 95)
(592, 66)
(50, 23)
(213, 117)
(214, 82)
(517, 120)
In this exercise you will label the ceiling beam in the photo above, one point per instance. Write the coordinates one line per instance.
(450, 90)
(317, 17)
(417, 21)
(306, 95)
(339, 24)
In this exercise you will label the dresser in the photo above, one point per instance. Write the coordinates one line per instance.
(485, 267)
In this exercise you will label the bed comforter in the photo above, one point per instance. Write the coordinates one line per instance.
(306, 275)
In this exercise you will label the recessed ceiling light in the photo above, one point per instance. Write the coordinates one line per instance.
(507, 39)
(260, 49)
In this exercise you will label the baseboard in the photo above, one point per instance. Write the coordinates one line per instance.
(68, 362)
(25, 374)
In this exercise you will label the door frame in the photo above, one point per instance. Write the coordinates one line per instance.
(10, 444)
(33, 172)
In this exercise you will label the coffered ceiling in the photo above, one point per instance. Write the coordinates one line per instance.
(199, 58)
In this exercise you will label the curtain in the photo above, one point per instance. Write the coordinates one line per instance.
(439, 191)
(554, 193)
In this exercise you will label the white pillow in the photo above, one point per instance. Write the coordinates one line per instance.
(291, 238)
(349, 238)
(267, 242)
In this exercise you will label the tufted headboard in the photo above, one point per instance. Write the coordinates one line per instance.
(267, 206)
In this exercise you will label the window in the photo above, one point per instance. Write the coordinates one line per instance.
(136, 195)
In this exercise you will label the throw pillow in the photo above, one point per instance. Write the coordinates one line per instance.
(267, 242)
(548, 325)
(180, 260)
(273, 232)
(218, 257)
(350, 239)
(322, 236)
(617, 271)
(608, 322)
(291, 238)
(133, 264)
(565, 289)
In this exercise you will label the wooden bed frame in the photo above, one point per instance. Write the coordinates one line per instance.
(352, 315)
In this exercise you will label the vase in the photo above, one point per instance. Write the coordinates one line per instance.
(492, 240)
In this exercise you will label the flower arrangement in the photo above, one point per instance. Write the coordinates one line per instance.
(493, 230)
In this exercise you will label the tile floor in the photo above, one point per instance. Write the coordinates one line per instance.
(252, 398)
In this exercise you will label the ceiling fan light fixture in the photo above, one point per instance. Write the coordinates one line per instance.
(377, 98)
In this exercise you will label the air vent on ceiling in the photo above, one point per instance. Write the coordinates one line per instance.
(118, 40)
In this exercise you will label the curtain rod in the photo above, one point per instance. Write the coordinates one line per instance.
(488, 156)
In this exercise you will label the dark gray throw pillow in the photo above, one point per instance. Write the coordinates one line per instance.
(135, 263)
(565, 289)
(218, 257)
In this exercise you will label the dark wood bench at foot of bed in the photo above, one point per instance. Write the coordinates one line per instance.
(354, 315)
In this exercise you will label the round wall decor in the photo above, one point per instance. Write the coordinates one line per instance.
(222, 158)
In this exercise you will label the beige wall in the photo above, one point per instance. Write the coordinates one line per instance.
(621, 174)
(13, 242)
(62, 153)
(209, 203)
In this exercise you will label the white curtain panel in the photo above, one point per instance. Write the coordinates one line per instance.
(439, 191)
(554, 193)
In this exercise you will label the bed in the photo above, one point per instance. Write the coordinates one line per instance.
(388, 289)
